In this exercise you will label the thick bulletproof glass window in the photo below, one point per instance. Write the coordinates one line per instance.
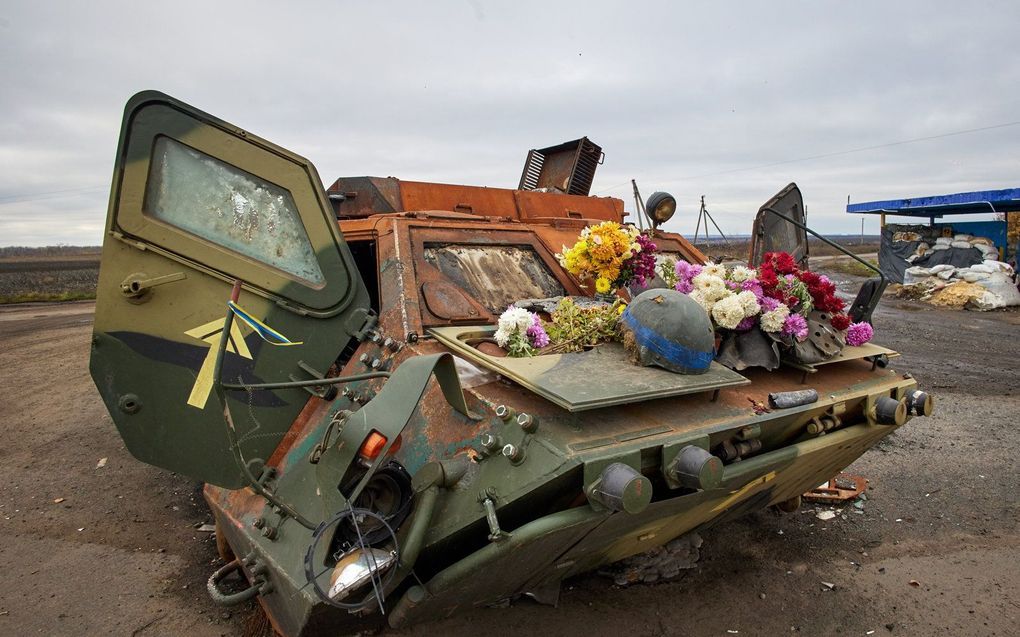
(229, 207)
(494, 275)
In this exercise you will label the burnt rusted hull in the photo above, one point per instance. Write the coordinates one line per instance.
(359, 434)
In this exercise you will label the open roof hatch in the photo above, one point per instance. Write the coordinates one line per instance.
(568, 168)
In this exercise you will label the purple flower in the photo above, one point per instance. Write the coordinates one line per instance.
(768, 304)
(859, 333)
(751, 285)
(685, 286)
(687, 271)
(824, 281)
(746, 324)
(536, 333)
(796, 326)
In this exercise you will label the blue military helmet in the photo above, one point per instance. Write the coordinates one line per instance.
(670, 330)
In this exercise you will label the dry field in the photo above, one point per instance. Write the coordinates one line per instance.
(48, 274)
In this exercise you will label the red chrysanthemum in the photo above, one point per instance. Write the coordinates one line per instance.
(840, 321)
(783, 262)
(829, 303)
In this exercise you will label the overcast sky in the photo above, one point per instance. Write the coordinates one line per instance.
(697, 98)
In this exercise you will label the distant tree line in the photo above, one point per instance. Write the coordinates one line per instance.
(48, 251)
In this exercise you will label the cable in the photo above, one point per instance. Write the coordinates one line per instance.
(53, 194)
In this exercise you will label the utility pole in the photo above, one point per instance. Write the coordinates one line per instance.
(704, 214)
(639, 205)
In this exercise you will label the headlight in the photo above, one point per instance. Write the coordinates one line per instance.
(660, 208)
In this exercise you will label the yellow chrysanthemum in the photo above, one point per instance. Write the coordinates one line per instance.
(602, 285)
(600, 251)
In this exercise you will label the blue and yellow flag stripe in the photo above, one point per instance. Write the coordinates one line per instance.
(267, 333)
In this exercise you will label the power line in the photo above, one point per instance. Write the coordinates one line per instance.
(834, 153)
(52, 194)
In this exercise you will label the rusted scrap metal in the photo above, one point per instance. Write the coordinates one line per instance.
(787, 399)
(842, 488)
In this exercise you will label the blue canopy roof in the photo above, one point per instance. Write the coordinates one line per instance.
(963, 203)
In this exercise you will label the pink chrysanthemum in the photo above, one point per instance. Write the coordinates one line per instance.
(768, 304)
(686, 270)
(747, 323)
(796, 326)
(536, 333)
(751, 285)
(859, 333)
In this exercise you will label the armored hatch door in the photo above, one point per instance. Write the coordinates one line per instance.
(196, 204)
(772, 233)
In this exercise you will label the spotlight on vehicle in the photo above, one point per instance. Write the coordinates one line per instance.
(660, 208)
(355, 569)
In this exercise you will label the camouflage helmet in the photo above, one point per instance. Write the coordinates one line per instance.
(670, 330)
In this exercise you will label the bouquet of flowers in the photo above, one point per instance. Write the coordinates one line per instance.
(777, 298)
(612, 255)
(520, 332)
(572, 327)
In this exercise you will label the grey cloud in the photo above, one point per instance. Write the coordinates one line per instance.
(680, 94)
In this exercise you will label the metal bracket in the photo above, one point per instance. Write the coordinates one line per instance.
(325, 392)
(496, 534)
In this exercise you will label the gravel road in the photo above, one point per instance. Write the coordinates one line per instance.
(114, 549)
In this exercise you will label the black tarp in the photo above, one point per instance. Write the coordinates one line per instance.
(892, 255)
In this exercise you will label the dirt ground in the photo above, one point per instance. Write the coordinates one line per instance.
(114, 549)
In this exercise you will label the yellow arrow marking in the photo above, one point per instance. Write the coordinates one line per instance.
(744, 490)
(211, 333)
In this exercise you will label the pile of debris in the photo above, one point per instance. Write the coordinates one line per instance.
(660, 563)
(988, 285)
(984, 245)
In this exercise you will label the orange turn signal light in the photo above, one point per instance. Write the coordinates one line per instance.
(374, 444)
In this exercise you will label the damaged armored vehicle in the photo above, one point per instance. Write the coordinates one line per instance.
(409, 399)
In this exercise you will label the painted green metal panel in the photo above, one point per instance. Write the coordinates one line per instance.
(577, 381)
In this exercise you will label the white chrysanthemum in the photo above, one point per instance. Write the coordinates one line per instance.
(712, 288)
(773, 321)
(739, 274)
(702, 301)
(513, 320)
(749, 302)
(728, 312)
(715, 270)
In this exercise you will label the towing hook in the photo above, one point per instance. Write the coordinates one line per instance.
(259, 585)
(920, 403)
